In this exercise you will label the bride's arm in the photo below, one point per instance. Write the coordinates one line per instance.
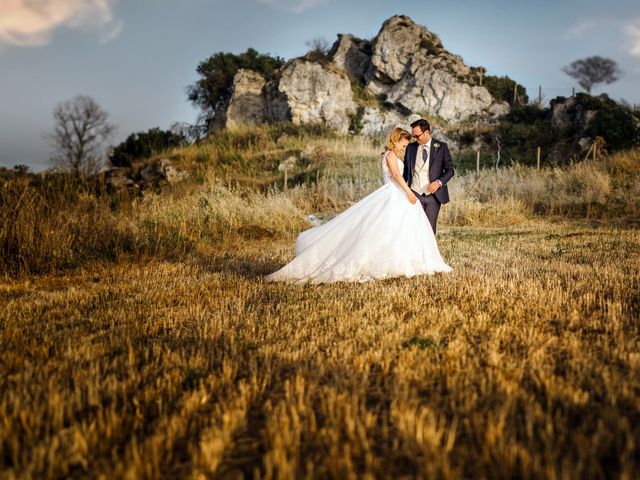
(396, 176)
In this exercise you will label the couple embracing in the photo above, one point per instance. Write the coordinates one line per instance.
(390, 232)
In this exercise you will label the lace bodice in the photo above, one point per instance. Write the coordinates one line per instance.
(386, 173)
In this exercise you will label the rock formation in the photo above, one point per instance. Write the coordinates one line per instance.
(405, 69)
(352, 55)
(317, 93)
(144, 175)
(410, 67)
(247, 101)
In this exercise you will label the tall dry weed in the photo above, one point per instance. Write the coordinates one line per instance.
(43, 229)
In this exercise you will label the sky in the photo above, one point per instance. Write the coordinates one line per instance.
(137, 57)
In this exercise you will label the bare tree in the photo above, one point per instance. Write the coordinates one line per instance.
(319, 48)
(80, 136)
(319, 43)
(591, 71)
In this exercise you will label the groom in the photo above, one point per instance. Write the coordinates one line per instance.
(428, 168)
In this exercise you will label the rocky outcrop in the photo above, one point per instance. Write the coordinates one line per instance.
(570, 112)
(411, 68)
(394, 48)
(378, 121)
(353, 55)
(247, 102)
(405, 67)
(144, 175)
(575, 115)
(306, 92)
(246, 105)
(118, 178)
(317, 93)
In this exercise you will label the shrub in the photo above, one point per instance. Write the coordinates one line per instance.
(501, 88)
(617, 126)
(143, 145)
(525, 128)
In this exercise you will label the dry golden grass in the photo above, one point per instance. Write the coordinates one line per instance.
(138, 338)
(525, 362)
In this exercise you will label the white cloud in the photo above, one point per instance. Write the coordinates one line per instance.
(633, 32)
(581, 28)
(295, 6)
(32, 22)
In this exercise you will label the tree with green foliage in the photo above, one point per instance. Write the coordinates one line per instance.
(217, 72)
(502, 89)
(143, 145)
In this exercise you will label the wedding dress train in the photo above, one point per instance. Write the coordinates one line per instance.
(381, 236)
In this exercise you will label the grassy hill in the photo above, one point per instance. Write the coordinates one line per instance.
(235, 187)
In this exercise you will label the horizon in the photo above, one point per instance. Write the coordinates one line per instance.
(138, 70)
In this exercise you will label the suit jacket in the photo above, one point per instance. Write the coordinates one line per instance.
(440, 166)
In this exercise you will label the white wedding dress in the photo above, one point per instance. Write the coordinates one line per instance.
(381, 236)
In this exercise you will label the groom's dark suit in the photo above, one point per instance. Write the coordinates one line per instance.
(440, 168)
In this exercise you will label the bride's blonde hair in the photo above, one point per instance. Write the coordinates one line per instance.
(395, 136)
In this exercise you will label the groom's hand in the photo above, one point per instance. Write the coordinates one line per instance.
(433, 186)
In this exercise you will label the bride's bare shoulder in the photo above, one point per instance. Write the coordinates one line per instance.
(391, 155)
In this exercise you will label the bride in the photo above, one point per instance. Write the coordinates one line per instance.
(386, 234)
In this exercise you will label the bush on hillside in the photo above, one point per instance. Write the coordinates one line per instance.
(501, 88)
(143, 145)
(524, 129)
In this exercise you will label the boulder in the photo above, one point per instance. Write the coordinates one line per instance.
(351, 54)
(246, 105)
(171, 173)
(499, 109)
(117, 178)
(439, 93)
(377, 122)
(276, 107)
(317, 93)
(397, 42)
(411, 68)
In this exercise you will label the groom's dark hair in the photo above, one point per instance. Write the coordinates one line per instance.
(423, 124)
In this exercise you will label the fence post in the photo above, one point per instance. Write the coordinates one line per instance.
(515, 93)
(538, 158)
(481, 75)
(540, 95)
(573, 91)
(285, 176)
(477, 163)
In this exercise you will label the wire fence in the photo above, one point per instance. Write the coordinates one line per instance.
(541, 95)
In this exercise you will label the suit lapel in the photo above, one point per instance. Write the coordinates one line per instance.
(432, 156)
(411, 162)
(414, 157)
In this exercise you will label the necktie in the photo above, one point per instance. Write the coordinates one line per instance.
(425, 160)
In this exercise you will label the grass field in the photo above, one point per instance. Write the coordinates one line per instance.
(150, 346)
(525, 362)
